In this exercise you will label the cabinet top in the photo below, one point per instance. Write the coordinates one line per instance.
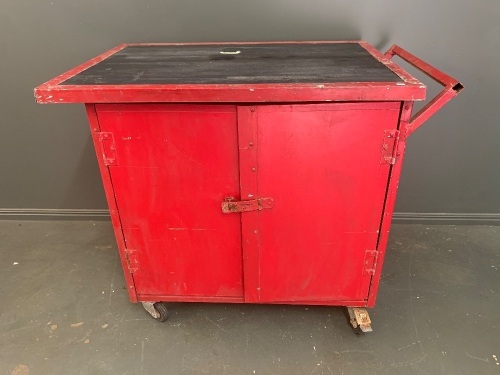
(234, 72)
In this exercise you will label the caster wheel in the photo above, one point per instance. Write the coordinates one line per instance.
(161, 308)
(352, 323)
(356, 330)
(157, 310)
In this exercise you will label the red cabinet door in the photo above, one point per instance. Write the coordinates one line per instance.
(174, 166)
(324, 167)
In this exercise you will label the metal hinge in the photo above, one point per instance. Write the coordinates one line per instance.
(370, 262)
(389, 147)
(132, 261)
(108, 148)
(230, 205)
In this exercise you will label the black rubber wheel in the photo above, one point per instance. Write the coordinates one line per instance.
(161, 308)
(356, 330)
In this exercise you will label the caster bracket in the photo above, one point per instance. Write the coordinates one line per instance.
(150, 308)
(360, 319)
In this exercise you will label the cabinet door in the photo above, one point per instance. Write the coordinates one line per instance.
(174, 166)
(323, 167)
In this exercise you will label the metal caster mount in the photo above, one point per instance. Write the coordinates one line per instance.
(359, 319)
(157, 310)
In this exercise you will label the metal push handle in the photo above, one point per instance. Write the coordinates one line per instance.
(451, 86)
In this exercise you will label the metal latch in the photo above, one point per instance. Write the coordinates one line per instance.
(389, 146)
(108, 148)
(370, 262)
(230, 205)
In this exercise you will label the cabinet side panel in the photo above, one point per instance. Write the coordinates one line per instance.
(390, 201)
(110, 197)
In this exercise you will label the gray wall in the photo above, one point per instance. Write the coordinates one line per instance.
(46, 157)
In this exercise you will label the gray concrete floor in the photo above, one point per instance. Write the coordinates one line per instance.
(64, 310)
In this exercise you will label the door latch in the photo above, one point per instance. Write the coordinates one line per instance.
(230, 205)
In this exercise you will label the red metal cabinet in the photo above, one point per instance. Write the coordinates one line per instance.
(236, 185)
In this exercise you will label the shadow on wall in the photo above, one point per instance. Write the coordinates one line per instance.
(382, 44)
(83, 191)
(296, 21)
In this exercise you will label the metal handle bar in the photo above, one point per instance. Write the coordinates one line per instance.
(451, 86)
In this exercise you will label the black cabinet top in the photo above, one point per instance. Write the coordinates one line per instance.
(236, 64)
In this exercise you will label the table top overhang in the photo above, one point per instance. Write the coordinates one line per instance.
(251, 72)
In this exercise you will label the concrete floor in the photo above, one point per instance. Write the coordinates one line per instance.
(65, 311)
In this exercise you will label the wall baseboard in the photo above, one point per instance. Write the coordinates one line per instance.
(53, 214)
(103, 214)
(446, 218)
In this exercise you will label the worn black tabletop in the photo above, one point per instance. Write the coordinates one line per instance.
(234, 64)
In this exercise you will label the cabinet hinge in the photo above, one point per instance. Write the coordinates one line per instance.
(390, 147)
(132, 261)
(108, 148)
(370, 262)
